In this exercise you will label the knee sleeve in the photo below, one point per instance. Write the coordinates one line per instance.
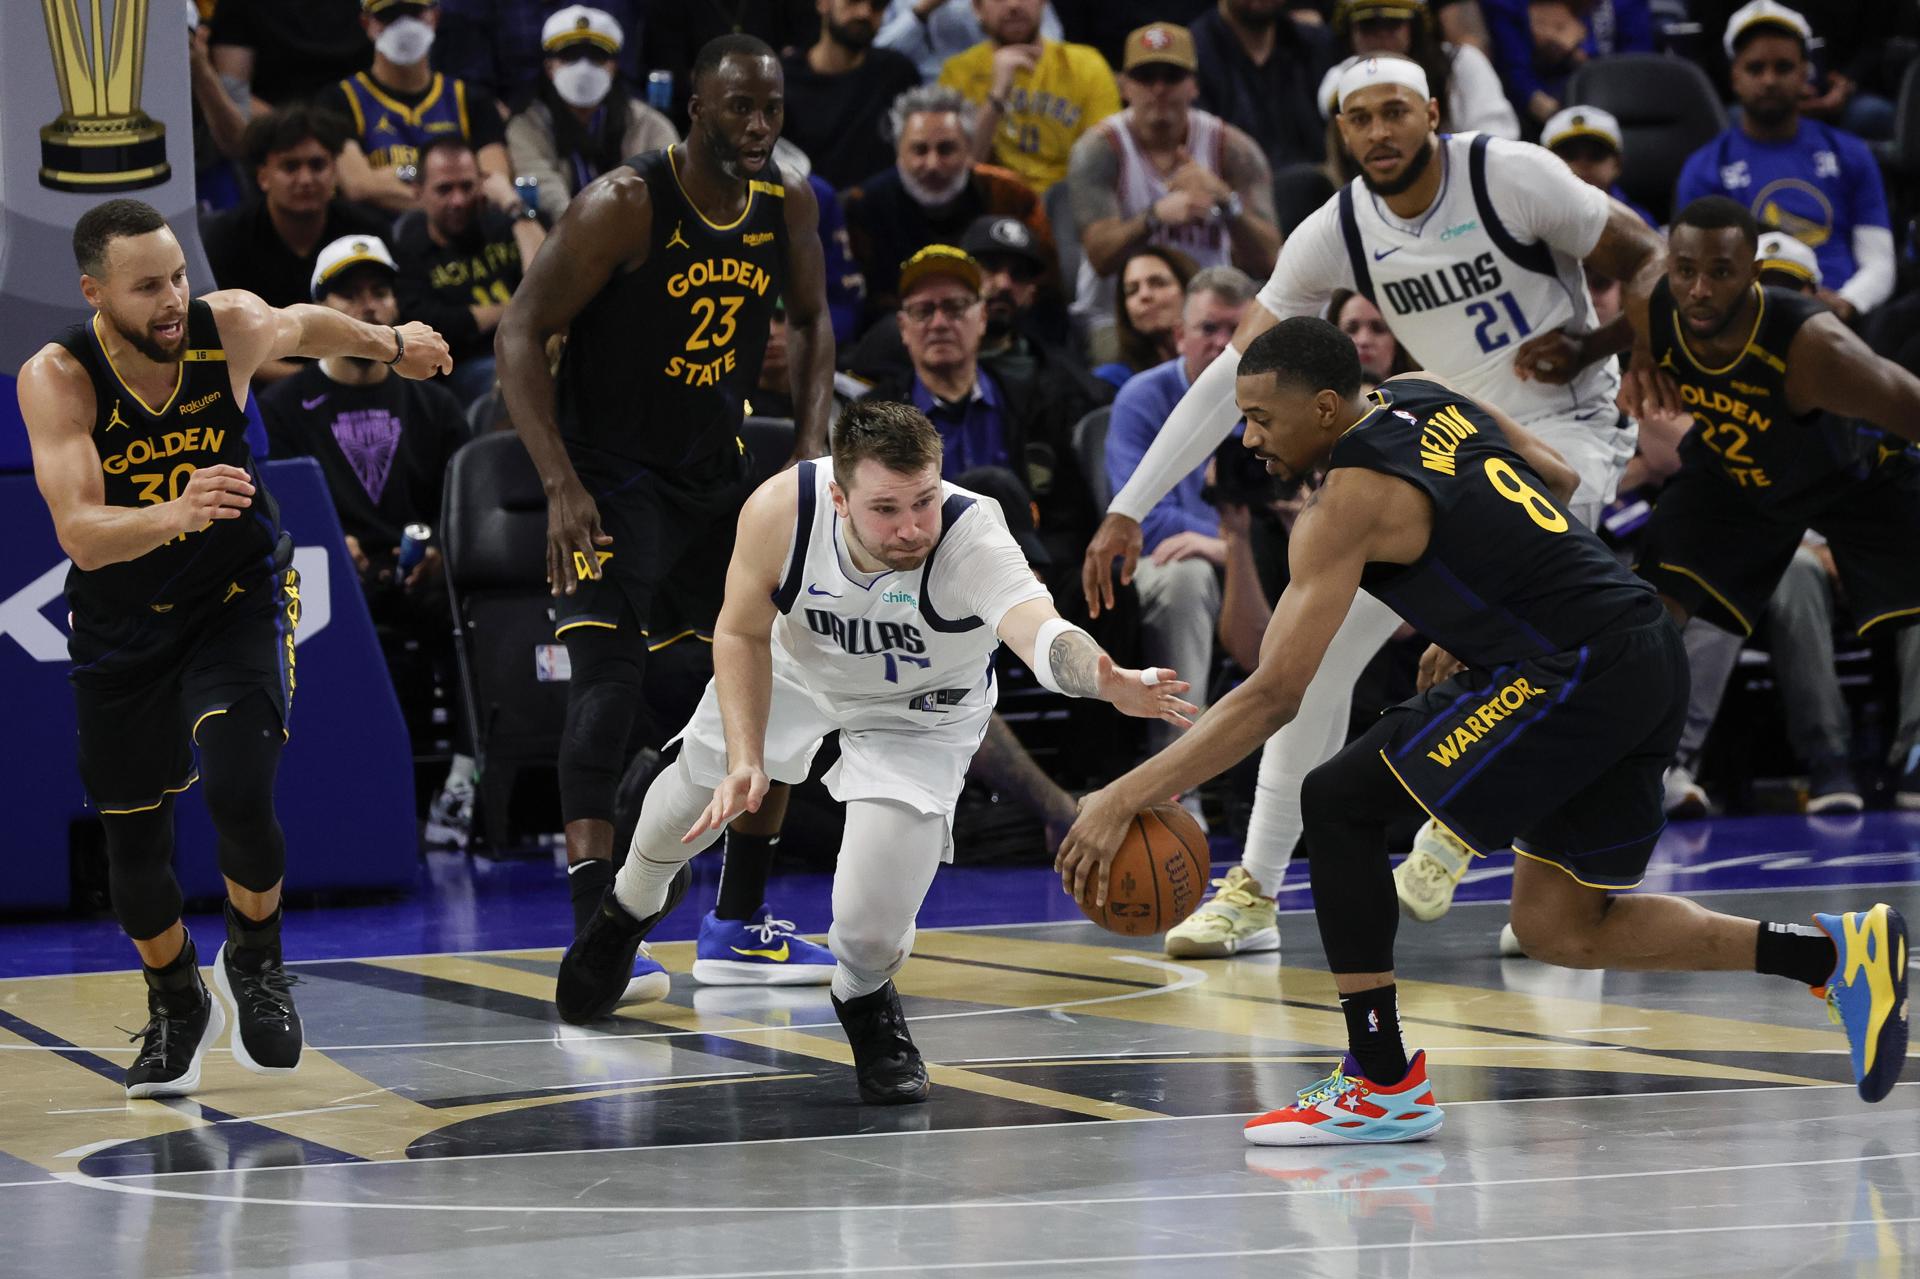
(239, 755)
(146, 897)
(887, 861)
(603, 699)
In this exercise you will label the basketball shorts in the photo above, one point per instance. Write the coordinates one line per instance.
(1560, 758)
(139, 718)
(1721, 553)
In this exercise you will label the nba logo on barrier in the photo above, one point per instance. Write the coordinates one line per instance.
(102, 140)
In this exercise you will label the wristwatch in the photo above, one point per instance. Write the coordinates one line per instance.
(1230, 208)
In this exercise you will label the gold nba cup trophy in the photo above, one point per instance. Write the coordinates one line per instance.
(102, 141)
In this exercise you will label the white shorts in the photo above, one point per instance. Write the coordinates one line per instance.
(1597, 446)
(923, 766)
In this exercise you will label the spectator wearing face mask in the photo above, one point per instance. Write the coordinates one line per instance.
(581, 121)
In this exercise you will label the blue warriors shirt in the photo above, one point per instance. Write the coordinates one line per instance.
(392, 132)
(1817, 188)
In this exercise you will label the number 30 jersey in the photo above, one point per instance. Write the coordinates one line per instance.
(1507, 574)
(659, 364)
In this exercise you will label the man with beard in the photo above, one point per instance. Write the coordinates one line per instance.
(663, 274)
(838, 91)
(1258, 69)
(183, 600)
(1815, 182)
(1472, 248)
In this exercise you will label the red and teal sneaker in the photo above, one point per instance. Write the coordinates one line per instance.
(1867, 994)
(1348, 1108)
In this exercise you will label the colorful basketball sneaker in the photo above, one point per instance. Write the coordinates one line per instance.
(1348, 1108)
(1426, 879)
(650, 981)
(1867, 994)
(1236, 920)
(758, 951)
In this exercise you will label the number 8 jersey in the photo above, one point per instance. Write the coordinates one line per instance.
(1498, 534)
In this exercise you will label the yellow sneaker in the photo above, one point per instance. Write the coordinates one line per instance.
(1235, 921)
(1426, 879)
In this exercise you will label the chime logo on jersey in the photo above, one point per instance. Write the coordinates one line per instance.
(862, 637)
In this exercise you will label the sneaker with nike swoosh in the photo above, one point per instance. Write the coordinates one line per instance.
(758, 951)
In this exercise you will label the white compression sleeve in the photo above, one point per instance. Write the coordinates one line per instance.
(1873, 277)
(888, 856)
(1204, 417)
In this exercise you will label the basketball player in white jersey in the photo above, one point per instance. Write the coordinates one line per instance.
(865, 598)
(1471, 247)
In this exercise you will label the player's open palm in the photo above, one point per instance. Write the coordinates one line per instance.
(739, 792)
(424, 353)
(574, 538)
(1150, 694)
(213, 493)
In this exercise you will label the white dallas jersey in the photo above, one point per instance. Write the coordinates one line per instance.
(875, 649)
(1493, 261)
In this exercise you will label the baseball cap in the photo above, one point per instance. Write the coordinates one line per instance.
(1582, 122)
(346, 253)
(1765, 13)
(939, 259)
(1002, 235)
(1161, 42)
(578, 24)
(381, 6)
(1779, 251)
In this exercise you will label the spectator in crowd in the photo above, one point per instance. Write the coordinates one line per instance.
(1462, 23)
(1539, 44)
(278, 54)
(1020, 344)
(221, 110)
(676, 29)
(931, 31)
(773, 393)
(1153, 287)
(383, 444)
(269, 245)
(1591, 143)
(932, 193)
(1864, 48)
(460, 260)
(1035, 96)
(580, 120)
(1381, 355)
(1812, 180)
(401, 104)
(501, 45)
(1471, 97)
(1182, 549)
(1258, 68)
(1104, 24)
(838, 92)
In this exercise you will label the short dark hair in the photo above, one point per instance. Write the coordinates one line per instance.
(720, 48)
(898, 436)
(1717, 213)
(1308, 352)
(445, 142)
(287, 127)
(101, 225)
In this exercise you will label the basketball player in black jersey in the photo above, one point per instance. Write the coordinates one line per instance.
(664, 274)
(1455, 517)
(1772, 379)
(184, 602)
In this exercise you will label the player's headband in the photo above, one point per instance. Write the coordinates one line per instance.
(1367, 72)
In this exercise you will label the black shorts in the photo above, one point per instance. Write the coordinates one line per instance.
(139, 713)
(1712, 547)
(677, 529)
(1561, 757)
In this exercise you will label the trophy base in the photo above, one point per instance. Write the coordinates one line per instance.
(125, 153)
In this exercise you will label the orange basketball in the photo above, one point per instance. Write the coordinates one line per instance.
(1158, 877)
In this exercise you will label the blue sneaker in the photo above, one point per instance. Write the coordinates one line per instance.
(759, 951)
(1867, 994)
(650, 981)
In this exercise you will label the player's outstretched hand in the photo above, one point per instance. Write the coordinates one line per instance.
(213, 493)
(1117, 538)
(1554, 358)
(1646, 390)
(739, 792)
(425, 353)
(1090, 846)
(1150, 694)
(574, 538)
(1437, 664)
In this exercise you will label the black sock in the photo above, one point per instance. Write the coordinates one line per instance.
(743, 875)
(178, 983)
(1799, 952)
(1373, 1034)
(588, 882)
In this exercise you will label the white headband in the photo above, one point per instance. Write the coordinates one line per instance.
(1368, 72)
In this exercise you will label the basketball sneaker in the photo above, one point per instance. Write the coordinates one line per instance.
(450, 817)
(1235, 920)
(598, 965)
(1425, 880)
(886, 1065)
(180, 1029)
(1683, 797)
(1346, 1107)
(758, 951)
(650, 982)
(267, 1036)
(1867, 994)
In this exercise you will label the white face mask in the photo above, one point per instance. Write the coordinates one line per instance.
(405, 42)
(582, 84)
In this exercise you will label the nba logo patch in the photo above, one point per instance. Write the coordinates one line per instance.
(1410, 417)
(1373, 1022)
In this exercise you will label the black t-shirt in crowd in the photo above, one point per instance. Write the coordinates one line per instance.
(298, 49)
(246, 252)
(439, 284)
(838, 119)
(383, 448)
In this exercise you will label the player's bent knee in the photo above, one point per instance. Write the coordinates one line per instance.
(877, 952)
(1566, 938)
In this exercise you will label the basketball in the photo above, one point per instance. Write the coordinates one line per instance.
(1157, 878)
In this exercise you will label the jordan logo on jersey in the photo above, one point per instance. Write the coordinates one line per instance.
(676, 240)
(114, 419)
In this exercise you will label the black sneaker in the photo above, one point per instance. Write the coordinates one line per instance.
(174, 1042)
(266, 1028)
(597, 966)
(885, 1062)
(1830, 786)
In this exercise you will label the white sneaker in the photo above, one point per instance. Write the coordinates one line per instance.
(1685, 800)
(1426, 879)
(1236, 920)
(450, 819)
(650, 981)
(1510, 943)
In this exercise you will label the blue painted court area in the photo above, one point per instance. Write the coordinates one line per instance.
(463, 904)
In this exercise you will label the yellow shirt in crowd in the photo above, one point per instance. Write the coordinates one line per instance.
(1069, 90)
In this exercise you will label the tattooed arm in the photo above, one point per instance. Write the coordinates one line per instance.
(1067, 660)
